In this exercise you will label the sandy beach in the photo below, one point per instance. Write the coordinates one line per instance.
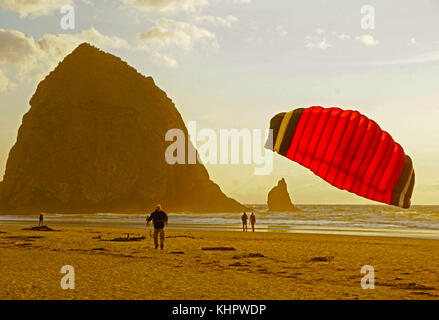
(263, 266)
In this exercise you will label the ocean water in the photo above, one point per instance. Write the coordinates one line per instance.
(374, 220)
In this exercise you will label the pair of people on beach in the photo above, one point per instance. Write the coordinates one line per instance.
(244, 219)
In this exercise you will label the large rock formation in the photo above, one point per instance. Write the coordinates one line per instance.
(94, 141)
(279, 199)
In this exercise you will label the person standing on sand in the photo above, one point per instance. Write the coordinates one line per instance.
(40, 220)
(253, 221)
(244, 222)
(159, 220)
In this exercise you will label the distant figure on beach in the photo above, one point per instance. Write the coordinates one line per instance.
(253, 221)
(40, 220)
(159, 220)
(244, 222)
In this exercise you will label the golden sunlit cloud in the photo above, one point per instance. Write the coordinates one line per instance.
(34, 8)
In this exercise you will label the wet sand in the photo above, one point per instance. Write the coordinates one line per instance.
(263, 266)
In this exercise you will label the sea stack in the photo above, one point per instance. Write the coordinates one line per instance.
(94, 141)
(279, 199)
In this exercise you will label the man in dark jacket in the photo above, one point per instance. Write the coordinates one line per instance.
(159, 220)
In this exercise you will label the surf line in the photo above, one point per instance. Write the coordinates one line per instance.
(200, 311)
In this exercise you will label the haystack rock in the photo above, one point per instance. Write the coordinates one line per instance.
(94, 141)
(279, 199)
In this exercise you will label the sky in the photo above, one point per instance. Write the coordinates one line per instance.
(236, 63)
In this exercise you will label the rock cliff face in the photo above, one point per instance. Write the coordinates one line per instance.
(94, 141)
(279, 199)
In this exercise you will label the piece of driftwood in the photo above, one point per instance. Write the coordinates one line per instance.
(176, 252)
(26, 238)
(122, 239)
(249, 255)
(219, 248)
(236, 264)
(181, 236)
(40, 228)
(325, 259)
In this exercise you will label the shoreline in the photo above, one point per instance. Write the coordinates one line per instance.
(262, 266)
(319, 230)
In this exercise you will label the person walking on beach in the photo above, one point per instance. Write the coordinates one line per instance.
(159, 220)
(244, 222)
(40, 220)
(253, 221)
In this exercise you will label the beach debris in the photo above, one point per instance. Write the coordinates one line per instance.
(25, 238)
(190, 236)
(321, 259)
(264, 271)
(415, 286)
(97, 237)
(255, 255)
(219, 248)
(249, 255)
(406, 286)
(127, 238)
(22, 244)
(176, 252)
(99, 249)
(236, 264)
(40, 228)
(424, 293)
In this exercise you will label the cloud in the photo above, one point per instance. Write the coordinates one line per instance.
(59, 45)
(217, 21)
(367, 40)
(281, 31)
(319, 44)
(5, 83)
(342, 36)
(164, 59)
(323, 44)
(167, 34)
(15, 46)
(165, 6)
(319, 39)
(34, 8)
(32, 59)
(242, 1)
(412, 41)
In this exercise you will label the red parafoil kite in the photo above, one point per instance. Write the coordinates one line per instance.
(346, 149)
